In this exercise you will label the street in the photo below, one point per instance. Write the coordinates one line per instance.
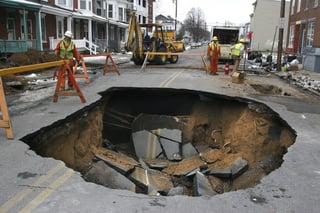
(31, 183)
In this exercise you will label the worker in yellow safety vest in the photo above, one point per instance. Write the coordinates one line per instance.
(213, 53)
(237, 51)
(66, 50)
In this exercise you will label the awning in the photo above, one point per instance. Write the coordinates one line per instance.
(55, 11)
(20, 4)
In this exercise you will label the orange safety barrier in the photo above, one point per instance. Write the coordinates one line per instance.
(108, 68)
(85, 73)
(63, 71)
(5, 122)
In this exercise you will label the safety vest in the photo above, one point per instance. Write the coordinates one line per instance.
(236, 50)
(212, 46)
(66, 53)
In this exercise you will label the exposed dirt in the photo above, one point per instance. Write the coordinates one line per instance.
(23, 59)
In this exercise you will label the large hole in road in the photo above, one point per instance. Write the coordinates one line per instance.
(161, 141)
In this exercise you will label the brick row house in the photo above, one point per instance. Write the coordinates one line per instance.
(97, 25)
(303, 32)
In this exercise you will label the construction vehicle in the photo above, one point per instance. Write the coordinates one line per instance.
(150, 38)
(227, 36)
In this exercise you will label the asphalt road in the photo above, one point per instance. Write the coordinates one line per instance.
(30, 183)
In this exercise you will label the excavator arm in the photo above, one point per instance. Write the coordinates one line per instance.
(134, 40)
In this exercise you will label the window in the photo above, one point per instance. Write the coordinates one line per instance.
(310, 34)
(121, 14)
(307, 5)
(292, 6)
(60, 27)
(144, 3)
(298, 6)
(291, 37)
(99, 8)
(62, 2)
(11, 28)
(43, 28)
(83, 4)
(110, 11)
(315, 4)
(65, 3)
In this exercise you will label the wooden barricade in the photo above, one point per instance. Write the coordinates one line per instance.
(5, 122)
(60, 90)
(108, 68)
(85, 72)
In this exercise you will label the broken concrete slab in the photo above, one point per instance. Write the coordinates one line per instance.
(157, 164)
(202, 185)
(234, 170)
(119, 161)
(221, 173)
(102, 174)
(238, 167)
(188, 150)
(146, 145)
(179, 190)
(157, 143)
(151, 180)
(157, 136)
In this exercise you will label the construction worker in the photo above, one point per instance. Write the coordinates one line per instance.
(237, 51)
(66, 50)
(213, 53)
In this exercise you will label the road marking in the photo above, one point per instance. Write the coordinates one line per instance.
(170, 79)
(10, 203)
(47, 192)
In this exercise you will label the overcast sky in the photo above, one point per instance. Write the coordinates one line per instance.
(215, 11)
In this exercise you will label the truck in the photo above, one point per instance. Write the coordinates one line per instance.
(227, 36)
(151, 38)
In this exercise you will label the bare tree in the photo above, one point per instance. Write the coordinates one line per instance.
(195, 24)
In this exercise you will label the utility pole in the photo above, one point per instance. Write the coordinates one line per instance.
(175, 20)
(280, 41)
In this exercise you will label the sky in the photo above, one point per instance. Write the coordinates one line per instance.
(217, 12)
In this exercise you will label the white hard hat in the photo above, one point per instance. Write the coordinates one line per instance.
(68, 34)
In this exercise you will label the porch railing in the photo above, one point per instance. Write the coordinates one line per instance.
(13, 46)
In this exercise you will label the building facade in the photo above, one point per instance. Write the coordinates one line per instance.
(265, 23)
(97, 25)
(304, 26)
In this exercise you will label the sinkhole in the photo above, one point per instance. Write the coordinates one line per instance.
(163, 141)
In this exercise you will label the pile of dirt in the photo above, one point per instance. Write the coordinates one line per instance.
(13, 83)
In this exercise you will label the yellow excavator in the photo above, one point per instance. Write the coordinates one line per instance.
(140, 43)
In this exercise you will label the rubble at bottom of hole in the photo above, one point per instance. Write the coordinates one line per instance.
(166, 166)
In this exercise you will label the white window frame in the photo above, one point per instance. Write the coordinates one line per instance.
(86, 6)
(315, 3)
(64, 3)
(298, 6)
(43, 28)
(292, 6)
(60, 27)
(291, 36)
(11, 29)
(310, 33)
